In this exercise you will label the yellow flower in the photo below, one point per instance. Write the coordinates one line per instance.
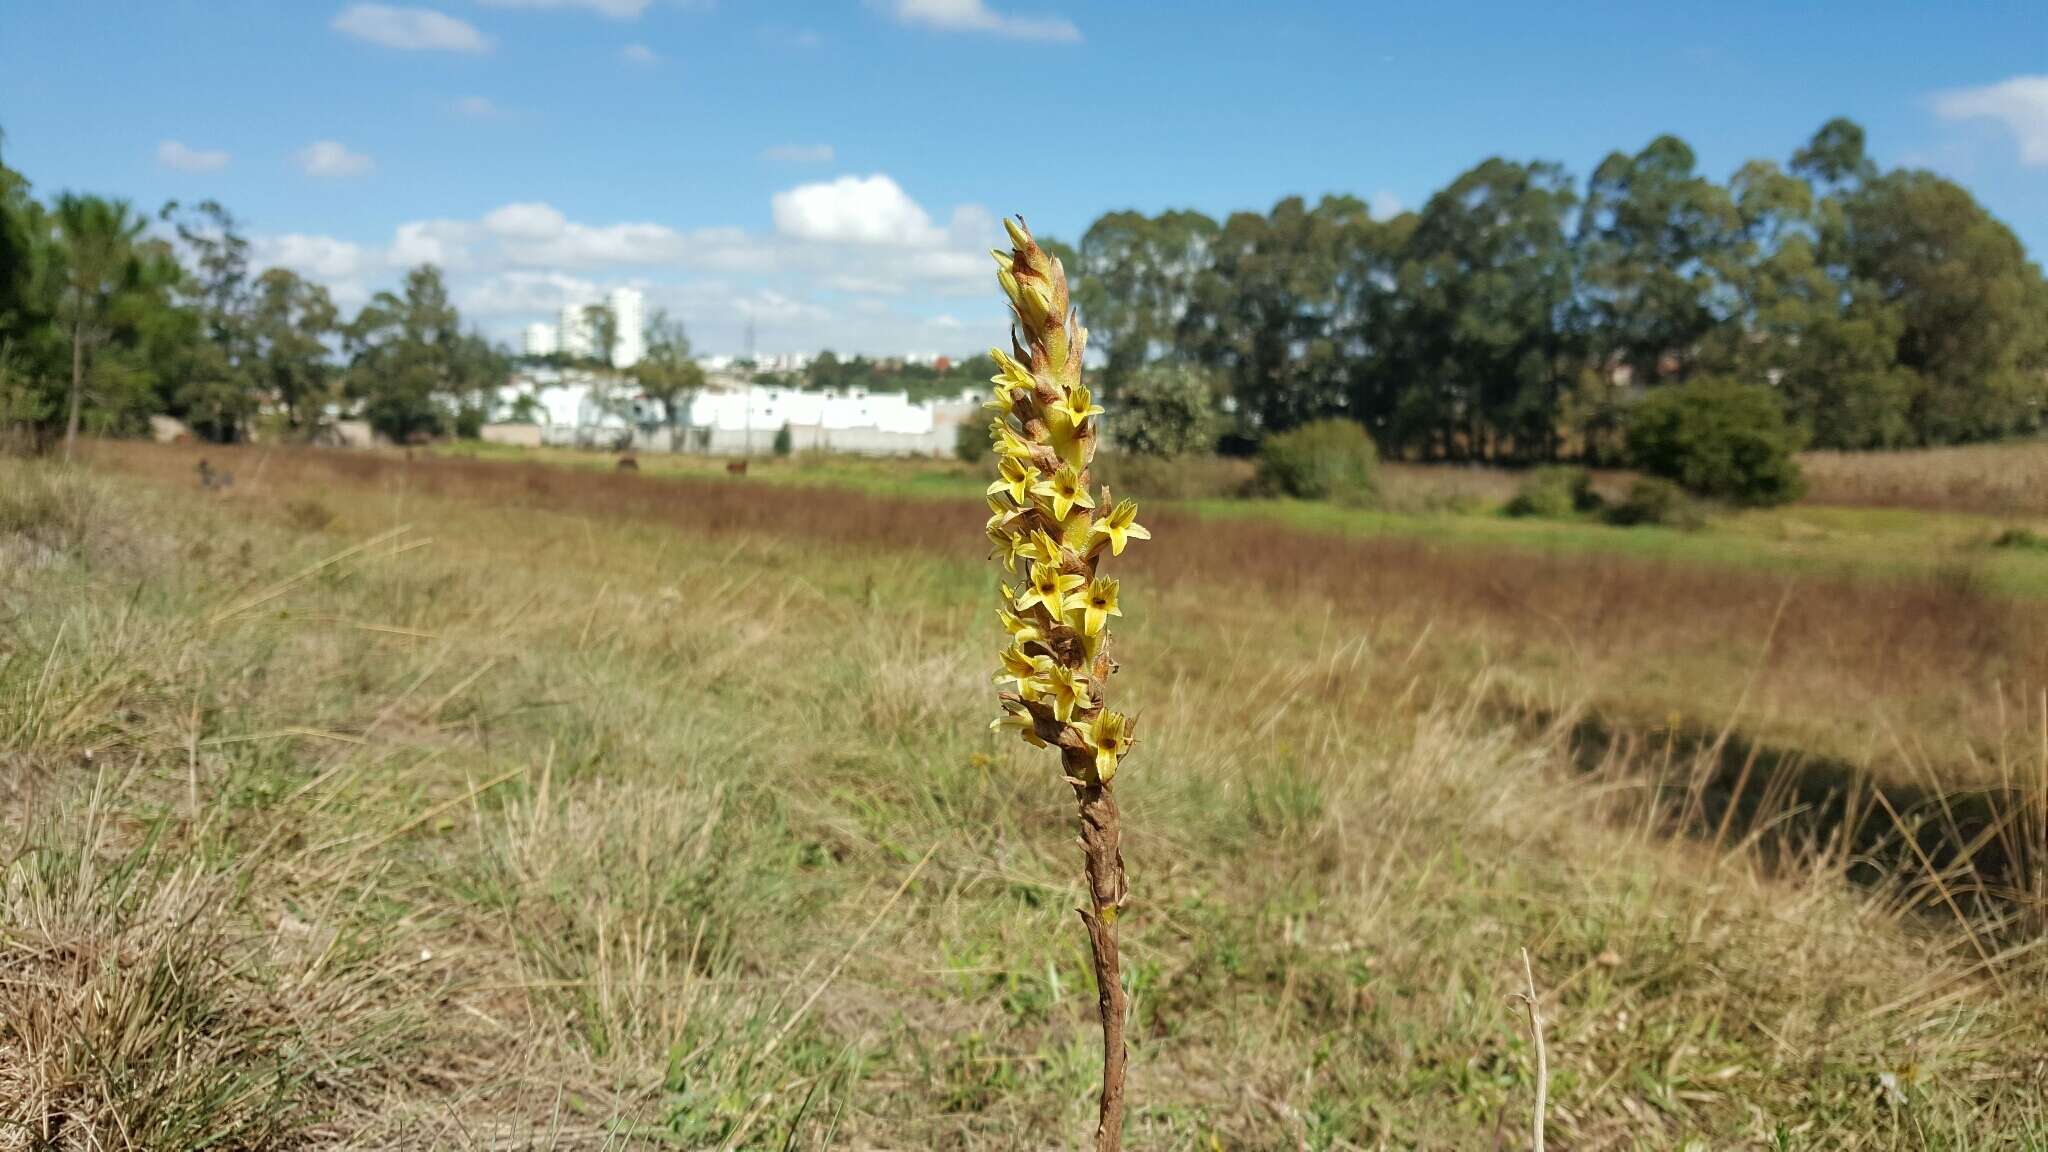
(1014, 374)
(1048, 586)
(1002, 400)
(1006, 440)
(1097, 605)
(1109, 735)
(1023, 723)
(1025, 669)
(1076, 406)
(1017, 479)
(1021, 630)
(1044, 549)
(1067, 491)
(1068, 691)
(1121, 523)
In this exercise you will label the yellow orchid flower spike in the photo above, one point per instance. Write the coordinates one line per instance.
(1120, 525)
(1058, 613)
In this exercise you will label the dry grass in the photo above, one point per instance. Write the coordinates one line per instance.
(518, 809)
(2008, 480)
(1870, 671)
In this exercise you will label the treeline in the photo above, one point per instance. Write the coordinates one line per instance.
(1518, 316)
(106, 320)
(921, 381)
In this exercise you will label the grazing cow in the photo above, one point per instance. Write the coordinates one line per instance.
(736, 467)
(628, 464)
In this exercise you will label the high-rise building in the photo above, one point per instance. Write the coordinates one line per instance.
(539, 340)
(629, 309)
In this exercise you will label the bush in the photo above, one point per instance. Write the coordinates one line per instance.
(785, 441)
(1324, 460)
(1654, 501)
(1166, 410)
(970, 442)
(1718, 438)
(2022, 539)
(1554, 493)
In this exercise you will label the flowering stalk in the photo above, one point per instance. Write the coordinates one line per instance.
(1051, 534)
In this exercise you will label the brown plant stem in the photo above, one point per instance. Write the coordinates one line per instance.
(1101, 844)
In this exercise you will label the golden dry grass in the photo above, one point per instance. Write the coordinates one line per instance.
(507, 810)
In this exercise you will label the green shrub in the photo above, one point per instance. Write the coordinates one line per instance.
(785, 441)
(1323, 460)
(970, 442)
(1652, 500)
(2021, 539)
(1166, 410)
(1554, 493)
(1718, 438)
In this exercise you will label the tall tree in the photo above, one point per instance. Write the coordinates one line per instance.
(291, 320)
(603, 325)
(402, 357)
(1656, 243)
(99, 238)
(669, 377)
(1135, 277)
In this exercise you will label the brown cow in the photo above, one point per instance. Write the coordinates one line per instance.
(736, 467)
(629, 464)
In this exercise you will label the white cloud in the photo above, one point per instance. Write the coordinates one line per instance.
(2021, 104)
(977, 16)
(175, 154)
(331, 159)
(639, 54)
(477, 107)
(410, 29)
(443, 242)
(799, 154)
(853, 264)
(1385, 204)
(854, 210)
(612, 9)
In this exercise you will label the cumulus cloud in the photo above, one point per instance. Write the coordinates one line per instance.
(410, 29)
(977, 16)
(1385, 204)
(611, 9)
(2020, 104)
(331, 159)
(176, 154)
(639, 54)
(799, 154)
(477, 107)
(854, 264)
(854, 210)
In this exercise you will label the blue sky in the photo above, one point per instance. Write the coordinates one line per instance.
(833, 171)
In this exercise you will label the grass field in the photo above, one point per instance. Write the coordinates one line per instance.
(453, 803)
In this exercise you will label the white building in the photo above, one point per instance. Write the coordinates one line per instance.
(540, 340)
(629, 308)
(576, 336)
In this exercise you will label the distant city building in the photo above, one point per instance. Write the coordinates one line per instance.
(629, 308)
(540, 340)
(576, 337)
